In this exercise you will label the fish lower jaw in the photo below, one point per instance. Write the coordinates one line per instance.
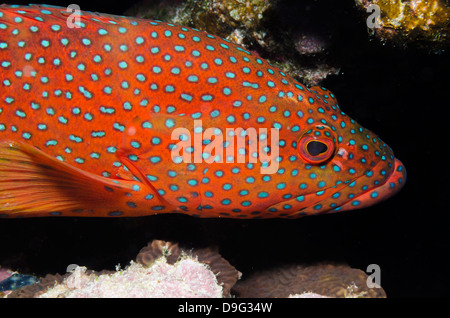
(391, 186)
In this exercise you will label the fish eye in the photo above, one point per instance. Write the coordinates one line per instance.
(316, 147)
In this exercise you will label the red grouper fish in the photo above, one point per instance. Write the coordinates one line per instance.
(103, 115)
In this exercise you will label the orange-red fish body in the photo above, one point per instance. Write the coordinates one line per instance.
(94, 109)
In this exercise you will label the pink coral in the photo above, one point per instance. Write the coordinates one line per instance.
(4, 274)
(185, 278)
(308, 44)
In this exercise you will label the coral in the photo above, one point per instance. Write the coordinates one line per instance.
(216, 16)
(162, 10)
(162, 269)
(323, 279)
(311, 75)
(307, 44)
(186, 278)
(307, 295)
(419, 22)
(166, 269)
(35, 290)
(4, 274)
(156, 249)
(221, 17)
(16, 281)
(226, 274)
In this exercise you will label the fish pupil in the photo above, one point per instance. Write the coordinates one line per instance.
(315, 148)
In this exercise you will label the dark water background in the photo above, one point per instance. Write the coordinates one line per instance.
(402, 95)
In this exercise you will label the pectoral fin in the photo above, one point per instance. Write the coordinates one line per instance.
(33, 183)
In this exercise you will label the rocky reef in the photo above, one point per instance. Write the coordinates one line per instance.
(10, 280)
(166, 270)
(185, 279)
(256, 25)
(162, 270)
(418, 23)
(306, 281)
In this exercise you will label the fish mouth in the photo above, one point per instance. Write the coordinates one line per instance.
(343, 197)
(391, 186)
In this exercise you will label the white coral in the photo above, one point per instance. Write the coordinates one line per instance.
(186, 278)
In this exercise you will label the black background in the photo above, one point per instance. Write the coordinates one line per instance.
(402, 95)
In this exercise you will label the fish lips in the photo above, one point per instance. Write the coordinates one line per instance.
(393, 183)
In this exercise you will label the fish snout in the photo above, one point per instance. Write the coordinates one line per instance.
(394, 182)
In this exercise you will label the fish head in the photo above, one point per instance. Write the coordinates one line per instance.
(341, 165)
